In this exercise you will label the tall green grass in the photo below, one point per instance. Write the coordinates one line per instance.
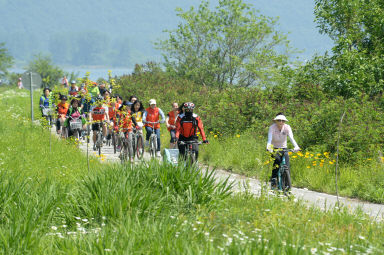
(150, 208)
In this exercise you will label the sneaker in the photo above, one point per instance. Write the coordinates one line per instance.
(94, 147)
(158, 154)
(146, 143)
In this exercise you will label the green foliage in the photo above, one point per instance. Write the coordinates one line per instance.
(356, 67)
(232, 45)
(6, 60)
(43, 65)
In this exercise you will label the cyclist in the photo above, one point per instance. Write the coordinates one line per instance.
(73, 90)
(153, 114)
(137, 110)
(46, 101)
(132, 99)
(99, 114)
(74, 112)
(277, 144)
(125, 125)
(171, 124)
(186, 129)
(94, 91)
(61, 109)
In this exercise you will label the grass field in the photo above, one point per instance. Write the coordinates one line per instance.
(51, 204)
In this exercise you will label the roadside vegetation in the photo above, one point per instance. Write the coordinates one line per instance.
(51, 204)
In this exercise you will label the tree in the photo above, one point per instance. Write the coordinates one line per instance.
(231, 44)
(356, 65)
(6, 60)
(50, 74)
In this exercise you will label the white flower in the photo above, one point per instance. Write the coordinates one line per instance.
(54, 228)
(77, 218)
(64, 226)
(107, 250)
(225, 235)
(206, 234)
(361, 237)
(313, 250)
(198, 222)
(85, 220)
(172, 217)
(194, 229)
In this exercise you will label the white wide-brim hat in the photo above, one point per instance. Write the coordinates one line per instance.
(152, 101)
(280, 117)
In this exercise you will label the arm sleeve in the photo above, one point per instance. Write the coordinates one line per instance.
(145, 117)
(290, 135)
(162, 116)
(269, 142)
(201, 128)
(41, 102)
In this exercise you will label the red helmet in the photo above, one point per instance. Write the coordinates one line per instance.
(189, 106)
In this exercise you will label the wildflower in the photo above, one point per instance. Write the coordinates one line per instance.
(238, 136)
(294, 156)
(300, 154)
(313, 250)
(361, 237)
(215, 136)
(368, 159)
(290, 153)
(308, 167)
(331, 162)
(318, 154)
(54, 228)
(312, 155)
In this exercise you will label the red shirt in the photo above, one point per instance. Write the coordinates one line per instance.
(98, 113)
(126, 121)
(153, 116)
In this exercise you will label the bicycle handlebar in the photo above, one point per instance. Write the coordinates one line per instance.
(190, 142)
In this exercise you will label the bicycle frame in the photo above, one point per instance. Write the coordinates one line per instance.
(190, 155)
(153, 140)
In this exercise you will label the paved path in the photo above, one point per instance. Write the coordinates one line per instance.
(321, 200)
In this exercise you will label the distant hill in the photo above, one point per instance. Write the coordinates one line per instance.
(121, 32)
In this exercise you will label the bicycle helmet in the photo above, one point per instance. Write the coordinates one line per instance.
(63, 97)
(189, 106)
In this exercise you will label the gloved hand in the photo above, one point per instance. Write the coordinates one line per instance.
(270, 148)
(205, 141)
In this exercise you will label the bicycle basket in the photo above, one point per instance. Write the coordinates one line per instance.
(76, 124)
(47, 111)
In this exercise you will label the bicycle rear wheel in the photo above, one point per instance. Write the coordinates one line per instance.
(286, 179)
(114, 141)
(140, 146)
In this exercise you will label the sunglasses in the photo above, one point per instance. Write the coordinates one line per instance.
(280, 120)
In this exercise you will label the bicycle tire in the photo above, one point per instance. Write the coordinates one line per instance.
(130, 147)
(152, 146)
(114, 142)
(140, 146)
(286, 179)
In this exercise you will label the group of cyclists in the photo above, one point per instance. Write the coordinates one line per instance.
(109, 113)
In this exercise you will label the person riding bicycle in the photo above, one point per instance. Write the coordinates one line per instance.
(277, 144)
(137, 111)
(152, 114)
(186, 129)
(61, 109)
(99, 115)
(73, 90)
(46, 102)
(125, 124)
(171, 124)
(74, 112)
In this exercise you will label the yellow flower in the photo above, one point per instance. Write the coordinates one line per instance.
(266, 162)
(369, 159)
(300, 154)
(294, 156)
(312, 155)
(238, 136)
(215, 136)
(322, 161)
(330, 162)
(308, 167)
(290, 153)
(318, 154)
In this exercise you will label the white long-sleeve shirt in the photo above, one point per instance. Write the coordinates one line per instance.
(278, 138)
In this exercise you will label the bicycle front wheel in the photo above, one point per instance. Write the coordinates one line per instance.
(286, 179)
(152, 147)
(140, 146)
(114, 142)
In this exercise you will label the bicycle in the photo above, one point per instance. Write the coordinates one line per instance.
(75, 127)
(190, 153)
(99, 138)
(47, 114)
(153, 140)
(138, 143)
(126, 143)
(284, 183)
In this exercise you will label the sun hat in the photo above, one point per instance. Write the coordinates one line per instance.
(152, 101)
(280, 117)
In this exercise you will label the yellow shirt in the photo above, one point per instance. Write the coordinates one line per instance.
(138, 117)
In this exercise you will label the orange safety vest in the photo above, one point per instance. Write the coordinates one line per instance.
(62, 109)
(153, 116)
(126, 121)
(171, 119)
(98, 113)
(112, 112)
